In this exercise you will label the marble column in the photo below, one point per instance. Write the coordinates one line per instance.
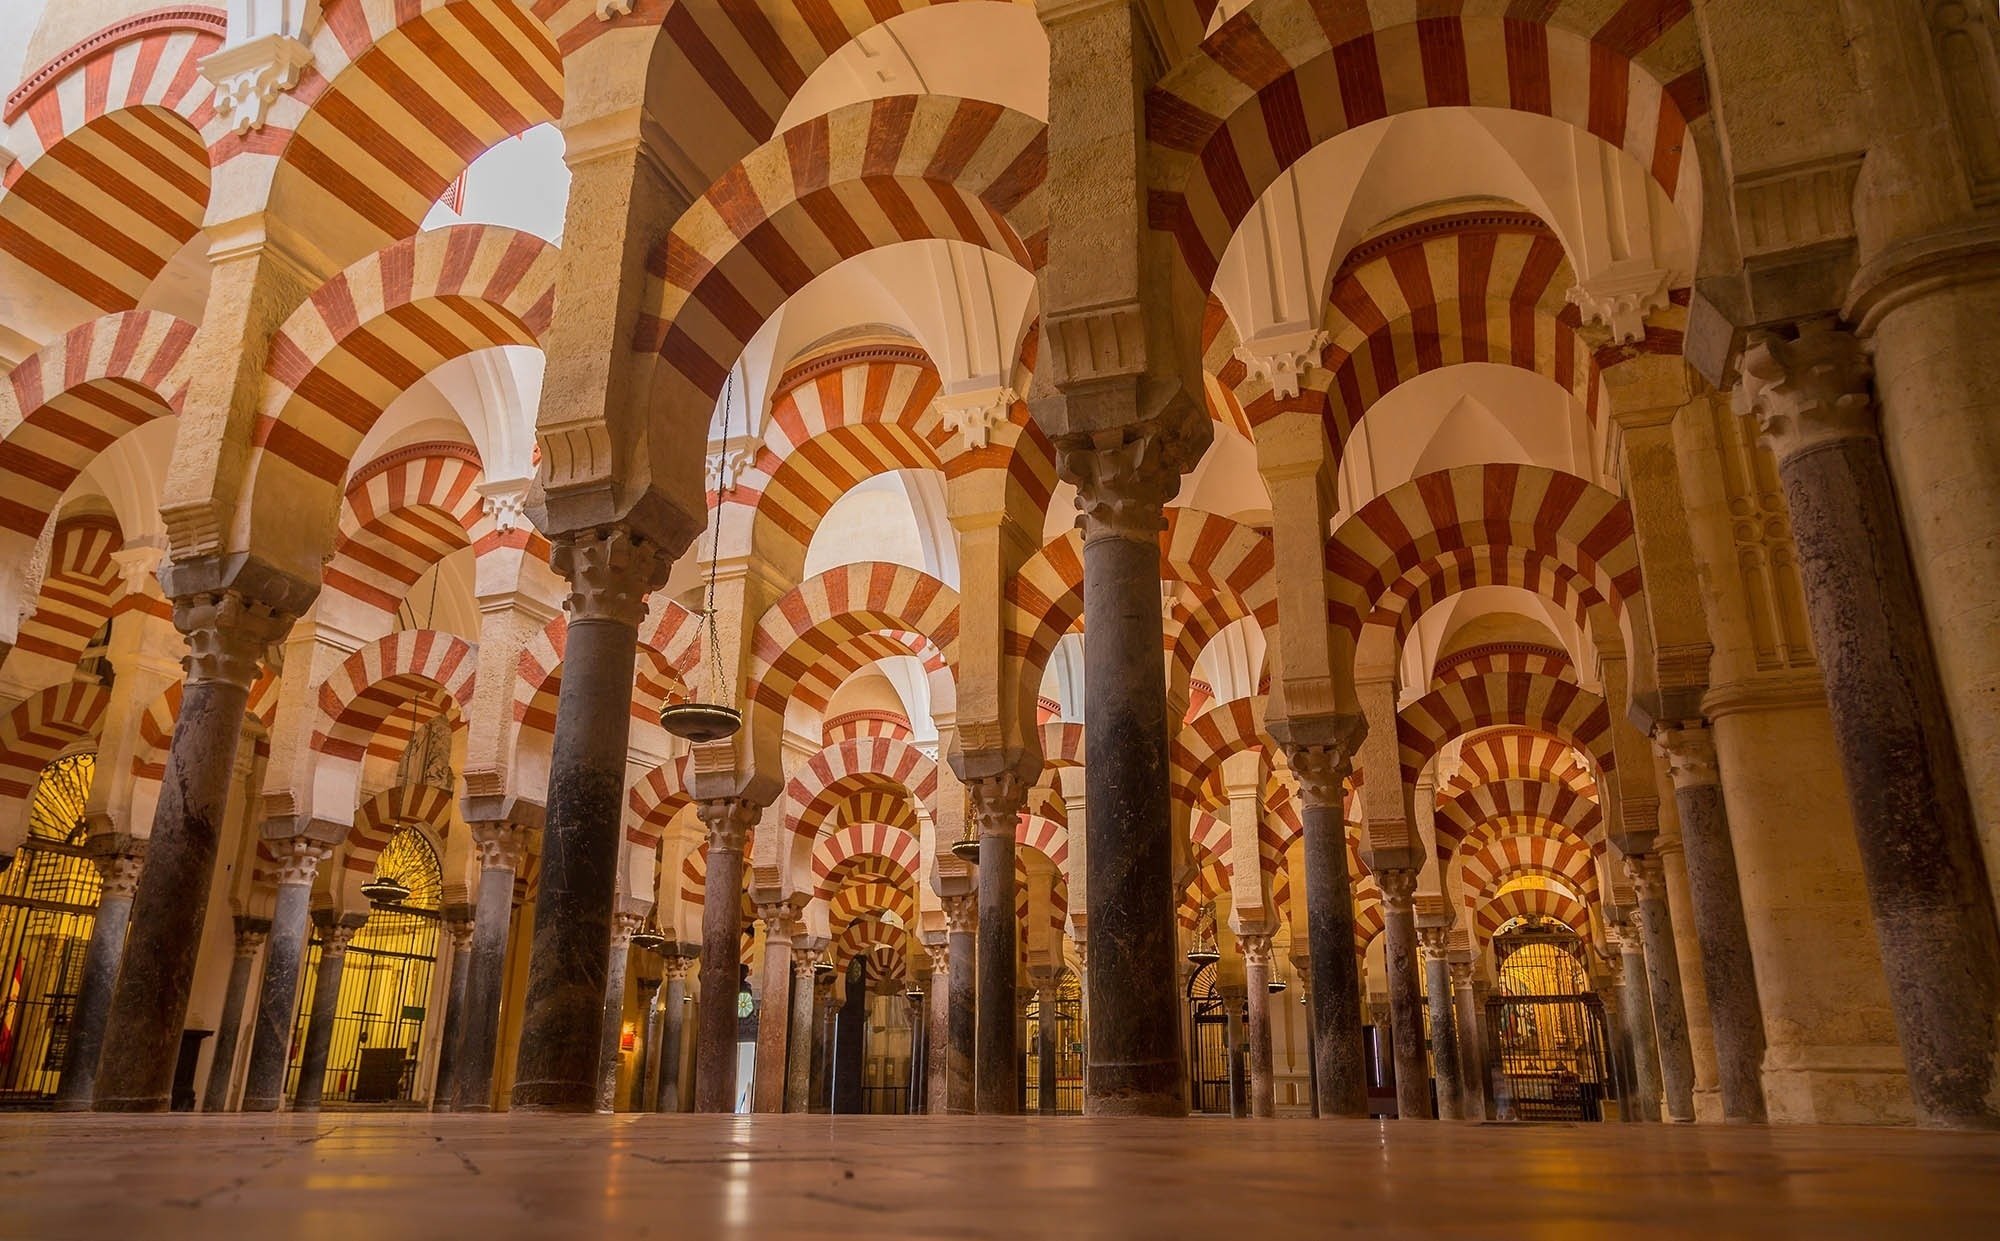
(798, 1044)
(825, 1013)
(118, 859)
(1663, 984)
(1470, 1016)
(774, 1023)
(1920, 850)
(1445, 1063)
(673, 1020)
(1406, 1005)
(850, 1044)
(1340, 1059)
(997, 802)
(1636, 1003)
(1045, 1049)
(334, 935)
(1727, 967)
(619, 955)
(611, 569)
(1256, 950)
(503, 850)
(250, 935)
(228, 627)
(961, 918)
(284, 965)
(1123, 481)
(1617, 1034)
(641, 1097)
(458, 929)
(937, 1056)
(729, 821)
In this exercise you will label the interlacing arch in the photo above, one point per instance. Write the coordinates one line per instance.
(391, 810)
(1283, 76)
(871, 174)
(67, 403)
(1527, 902)
(405, 512)
(1512, 753)
(1549, 704)
(78, 592)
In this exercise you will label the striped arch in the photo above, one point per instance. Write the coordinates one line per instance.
(110, 176)
(62, 406)
(1369, 916)
(1518, 657)
(538, 681)
(1525, 902)
(694, 884)
(1203, 743)
(1498, 754)
(404, 512)
(40, 728)
(156, 725)
(379, 680)
(1430, 583)
(813, 638)
(840, 770)
(859, 900)
(1044, 601)
(1524, 807)
(78, 590)
(400, 99)
(1504, 858)
(1283, 76)
(871, 174)
(381, 816)
(1208, 836)
(1046, 836)
(371, 332)
(888, 851)
(1206, 884)
(1557, 707)
(653, 801)
(1062, 744)
(884, 948)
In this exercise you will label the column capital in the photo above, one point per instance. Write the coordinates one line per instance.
(119, 873)
(1810, 390)
(677, 961)
(1690, 751)
(1434, 942)
(1256, 949)
(1125, 476)
(729, 820)
(336, 934)
(250, 935)
(1320, 751)
(623, 927)
(780, 919)
(460, 931)
(961, 913)
(803, 960)
(1461, 973)
(940, 954)
(997, 800)
(611, 569)
(227, 634)
(1647, 874)
(502, 845)
(1399, 888)
(298, 859)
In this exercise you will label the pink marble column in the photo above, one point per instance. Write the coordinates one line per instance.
(1257, 998)
(774, 1024)
(729, 822)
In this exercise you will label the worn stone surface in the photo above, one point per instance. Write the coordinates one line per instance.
(728, 823)
(1470, 1015)
(673, 1023)
(798, 1045)
(1340, 1063)
(1445, 1062)
(278, 993)
(962, 919)
(997, 1062)
(1257, 997)
(333, 939)
(119, 867)
(458, 928)
(616, 959)
(1642, 1045)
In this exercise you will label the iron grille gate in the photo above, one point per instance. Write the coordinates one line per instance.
(1068, 1019)
(1208, 1044)
(48, 904)
(1553, 1064)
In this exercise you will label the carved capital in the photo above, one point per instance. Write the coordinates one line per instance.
(1461, 973)
(1617, 300)
(227, 635)
(250, 936)
(997, 802)
(1433, 942)
(298, 860)
(729, 821)
(1322, 772)
(623, 927)
(334, 938)
(676, 966)
(501, 845)
(120, 872)
(1282, 358)
(973, 412)
(460, 932)
(940, 953)
(611, 569)
(1808, 391)
(1648, 876)
(608, 9)
(961, 913)
(780, 919)
(728, 463)
(139, 569)
(505, 501)
(1399, 889)
(1125, 477)
(1256, 950)
(249, 76)
(1690, 752)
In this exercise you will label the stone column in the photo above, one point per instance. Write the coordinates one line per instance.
(673, 1019)
(623, 927)
(284, 964)
(1340, 1059)
(798, 1044)
(774, 1023)
(1045, 1049)
(1727, 968)
(1445, 1063)
(611, 569)
(118, 860)
(458, 928)
(1617, 1034)
(1406, 1005)
(1663, 984)
(1637, 1006)
(961, 918)
(1471, 1042)
(1920, 851)
(503, 849)
(825, 1010)
(250, 934)
(641, 1097)
(729, 821)
(334, 935)
(997, 802)
(228, 626)
(937, 1056)
(1256, 950)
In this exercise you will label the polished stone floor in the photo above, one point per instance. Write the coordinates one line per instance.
(348, 1177)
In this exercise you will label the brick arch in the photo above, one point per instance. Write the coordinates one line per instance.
(359, 700)
(840, 769)
(1548, 704)
(1465, 820)
(379, 818)
(368, 334)
(654, 799)
(1201, 745)
(1278, 79)
(898, 853)
(79, 589)
(1062, 744)
(1500, 858)
(1519, 754)
(871, 174)
(1206, 884)
(38, 729)
(856, 901)
(67, 403)
(403, 513)
(1522, 902)
(864, 936)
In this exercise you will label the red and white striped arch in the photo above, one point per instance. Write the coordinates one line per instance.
(406, 511)
(1515, 806)
(883, 947)
(1202, 745)
(871, 174)
(1283, 76)
(156, 725)
(1208, 836)
(383, 815)
(1565, 859)
(78, 591)
(1522, 657)
(42, 726)
(857, 901)
(1208, 883)
(1046, 836)
(653, 801)
(1519, 754)
(1369, 915)
(380, 679)
(1044, 602)
(1560, 708)
(371, 332)
(890, 851)
(62, 406)
(1454, 572)
(694, 884)
(1538, 902)
(1062, 744)
(813, 639)
(110, 177)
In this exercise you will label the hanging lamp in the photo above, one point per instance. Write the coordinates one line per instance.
(966, 847)
(648, 937)
(699, 722)
(386, 890)
(1277, 986)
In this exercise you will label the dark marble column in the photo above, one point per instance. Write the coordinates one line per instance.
(1636, 1003)
(937, 1054)
(611, 569)
(458, 929)
(1471, 1042)
(230, 621)
(798, 1044)
(503, 850)
(850, 1044)
(1663, 984)
(641, 1097)
(1123, 480)
(1445, 1064)
(284, 965)
(250, 935)
(961, 917)
(729, 822)
(617, 957)
(118, 859)
(1617, 1035)
(1406, 1005)
(997, 802)
(825, 1013)
(679, 959)
(774, 1022)
(1340, 1060)
(1728, 970)
(334, 935)
(1257, 997)
(1920, 851)
(1045, 1050)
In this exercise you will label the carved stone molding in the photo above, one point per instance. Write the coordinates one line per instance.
(1399, 888)
(611, 570)
(729, 821)
(505, 501)
(1808, 391)
(227, 636)
(973, 412)
(1281, 359)
(501, 845)
(1618, 299)
(249, 76)
(1256, 949)
(961, 913)
(997, 802)
(1125, 477)
(298, 860)
(1690, 751)
(725, 465)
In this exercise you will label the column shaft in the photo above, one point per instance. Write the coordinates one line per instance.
(485, 971)
(1406, 1005)
(798, 1044)
(961, 913)
(284, 966)
(119, 866)
(997, 1072)
(250, 935)
(1257, 1001)
(1663, 985)
(443, 1085)
(1340, 1057)
(673, 1018)
(616, 959)
(1637, 1006)
(1471, 1044)
(640, 1099)
(937, 1055)
(1445, 1062)
(774, 1020)
(721, 956)
(319, 1027)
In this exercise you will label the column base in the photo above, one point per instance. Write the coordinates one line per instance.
(1708, 1106)
(1837, 1086)
(578, 1097)
(129, 1105)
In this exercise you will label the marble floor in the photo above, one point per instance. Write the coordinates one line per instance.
(347, 1176)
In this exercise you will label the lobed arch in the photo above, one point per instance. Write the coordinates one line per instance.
(1548, 704)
